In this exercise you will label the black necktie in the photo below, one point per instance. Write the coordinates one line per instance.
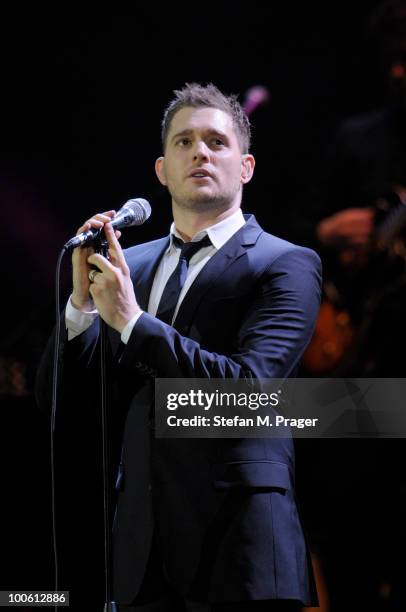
(173, 287)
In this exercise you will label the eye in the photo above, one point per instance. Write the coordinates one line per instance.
(217, 142)
(184, 142)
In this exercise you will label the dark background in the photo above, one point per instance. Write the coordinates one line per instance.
(82, 100)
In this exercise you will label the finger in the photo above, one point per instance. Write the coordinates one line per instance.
(92, 223)
(93, 274)
(97, 221)
(91, 287)
(100, 262)
(115, 250)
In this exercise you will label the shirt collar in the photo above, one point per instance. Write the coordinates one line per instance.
(218, 233)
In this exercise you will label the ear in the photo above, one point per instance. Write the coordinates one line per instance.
(160, 170)
(247, 167)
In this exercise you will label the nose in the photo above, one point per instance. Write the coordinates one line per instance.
(201, 151)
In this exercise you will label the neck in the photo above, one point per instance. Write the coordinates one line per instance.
(189, 222)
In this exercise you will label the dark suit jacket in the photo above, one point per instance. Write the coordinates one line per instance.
(223, 511)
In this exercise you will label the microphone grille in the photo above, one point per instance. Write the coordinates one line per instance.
(140, 208)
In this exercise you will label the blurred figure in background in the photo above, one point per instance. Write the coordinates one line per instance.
(358, 226)
(360, 222)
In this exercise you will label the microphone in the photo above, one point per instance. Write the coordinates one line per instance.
(133, 212)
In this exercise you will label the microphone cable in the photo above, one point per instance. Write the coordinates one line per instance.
(53, 413)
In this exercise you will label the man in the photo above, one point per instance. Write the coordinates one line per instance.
(214, 522)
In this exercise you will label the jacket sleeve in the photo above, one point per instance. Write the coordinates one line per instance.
(272, 336)
(77, 358)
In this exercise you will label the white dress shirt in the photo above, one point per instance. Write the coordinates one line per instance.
(78, 321)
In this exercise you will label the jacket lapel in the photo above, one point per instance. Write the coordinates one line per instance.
(232, 250)
(145, 270)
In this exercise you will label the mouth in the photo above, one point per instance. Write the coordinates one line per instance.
(200, 174)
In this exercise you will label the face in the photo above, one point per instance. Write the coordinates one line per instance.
(203, 166)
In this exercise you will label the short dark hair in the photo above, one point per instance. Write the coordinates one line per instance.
(196, 95)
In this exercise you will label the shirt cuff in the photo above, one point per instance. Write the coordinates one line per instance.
(126, 333)
(77, 321)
